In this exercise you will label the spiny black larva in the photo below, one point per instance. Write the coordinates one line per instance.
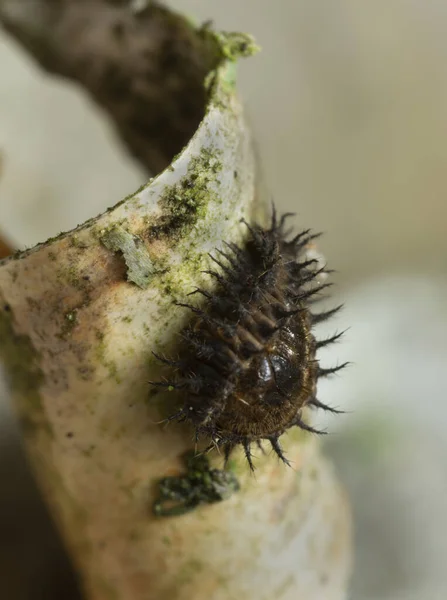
(249, 363)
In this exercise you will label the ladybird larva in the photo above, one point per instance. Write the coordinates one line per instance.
(249, 363)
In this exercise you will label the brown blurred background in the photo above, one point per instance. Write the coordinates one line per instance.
(348, 102)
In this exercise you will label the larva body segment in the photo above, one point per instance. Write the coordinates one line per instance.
(249, 365)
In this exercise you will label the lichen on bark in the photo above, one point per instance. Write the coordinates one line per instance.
(140, 268)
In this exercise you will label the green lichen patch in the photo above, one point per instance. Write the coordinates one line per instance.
(226, 45)
(140, 268)
(200, 485)
(186, 202)
(234, 45)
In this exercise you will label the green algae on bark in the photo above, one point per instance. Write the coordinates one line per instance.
(185, 202)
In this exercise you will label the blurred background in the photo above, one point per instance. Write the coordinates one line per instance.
(348, 104)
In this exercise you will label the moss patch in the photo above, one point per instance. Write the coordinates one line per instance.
(201, 484)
